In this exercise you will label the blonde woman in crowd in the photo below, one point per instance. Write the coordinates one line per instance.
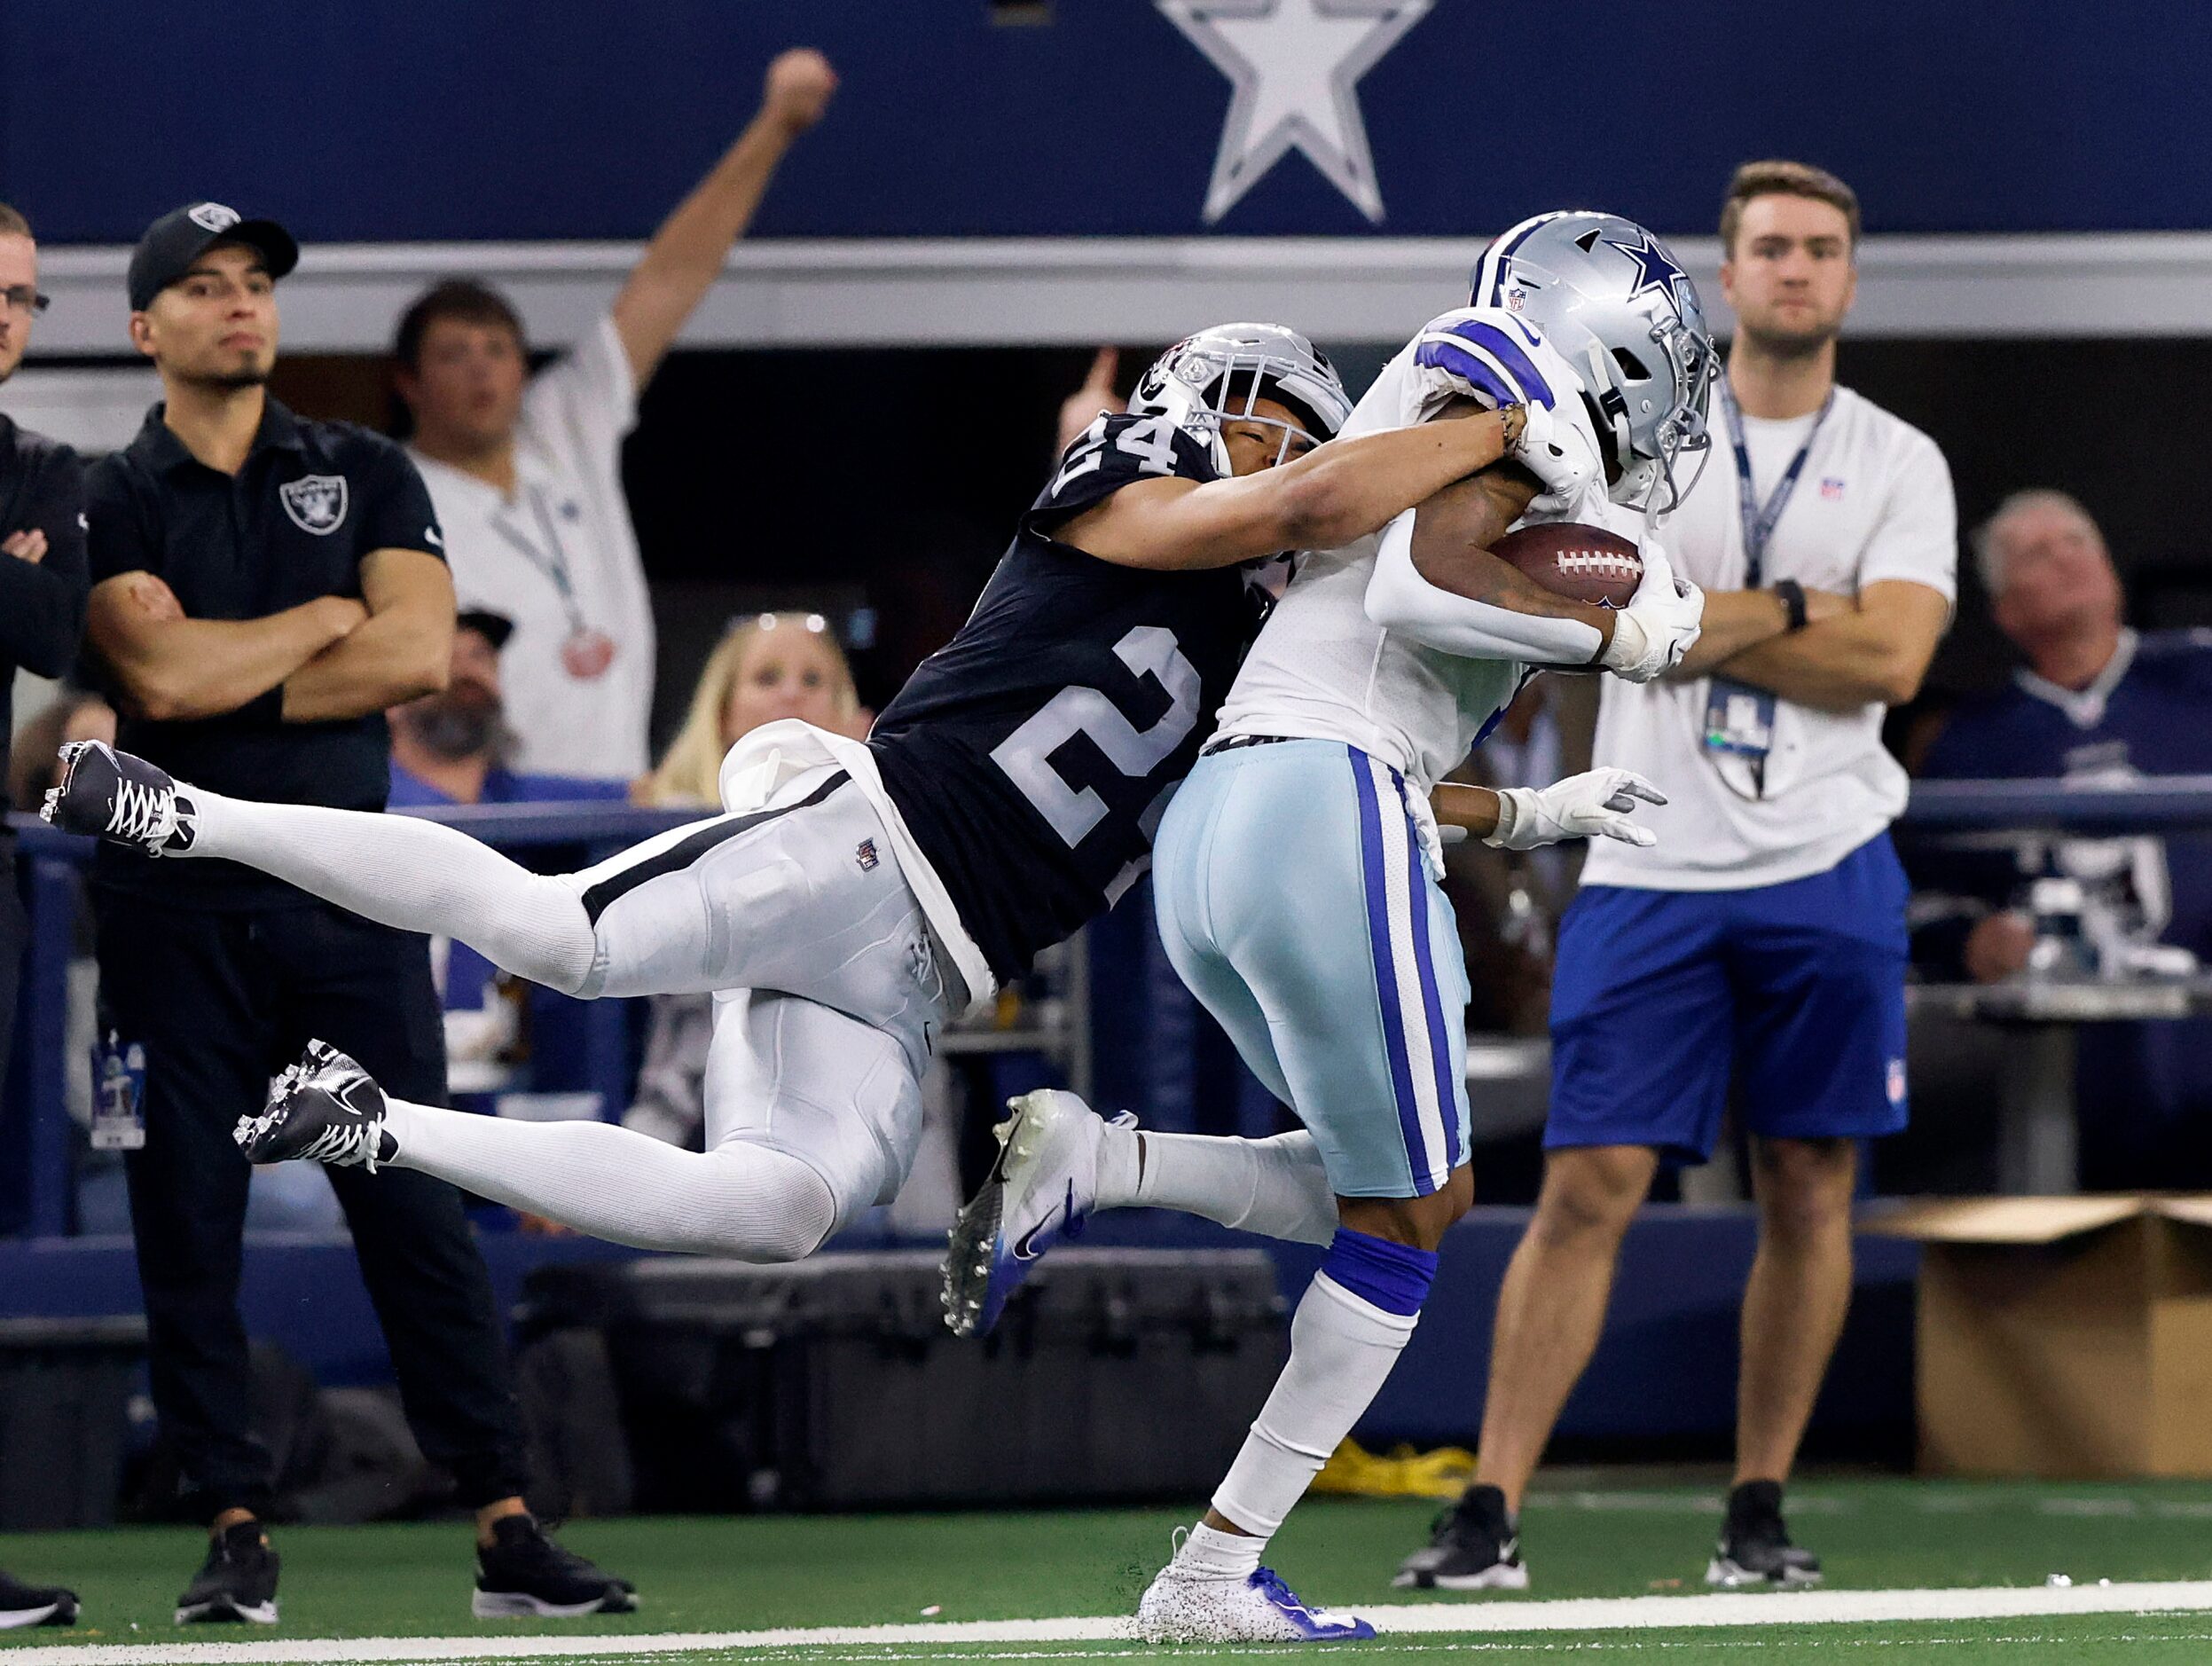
(772, 665)
(768, 666)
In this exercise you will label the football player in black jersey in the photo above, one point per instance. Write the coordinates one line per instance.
(855, 896)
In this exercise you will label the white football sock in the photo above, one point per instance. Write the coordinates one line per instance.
(1342, 1347)
(1275, 1187)
(400, 870)
(1212, 1555)
(743, 1200)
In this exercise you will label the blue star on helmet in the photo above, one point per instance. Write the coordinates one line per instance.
(1655, 268)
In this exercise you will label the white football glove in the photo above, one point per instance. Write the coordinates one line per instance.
(1553, 444)
(1557, 449)
(1660, 623)
(1593, 804)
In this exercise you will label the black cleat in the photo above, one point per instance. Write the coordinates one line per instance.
(1755, 1553)
(120, 798)
(35, 1605)
(1475, 1546)
(237, 1581)
(523, 1574)
(324, 1109)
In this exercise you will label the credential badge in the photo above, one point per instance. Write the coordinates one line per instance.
(316, 503)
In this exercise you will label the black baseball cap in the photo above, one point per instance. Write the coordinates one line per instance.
(172, 242)
(495, 628)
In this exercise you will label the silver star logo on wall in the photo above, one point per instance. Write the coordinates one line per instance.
(1295, 66)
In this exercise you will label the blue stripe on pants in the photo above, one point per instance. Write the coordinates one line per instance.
(1386, 973)
(1432, 1005)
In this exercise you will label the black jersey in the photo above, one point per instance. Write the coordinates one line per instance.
(1033, 755)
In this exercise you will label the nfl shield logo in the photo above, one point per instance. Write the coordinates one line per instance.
(1896, 1081)
(316, 503)
(1830, 488)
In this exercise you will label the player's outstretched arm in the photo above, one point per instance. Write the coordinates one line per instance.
(1596, 803)
(1335, 493)
(165, 666)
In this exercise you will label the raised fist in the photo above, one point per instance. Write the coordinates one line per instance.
(798, 89)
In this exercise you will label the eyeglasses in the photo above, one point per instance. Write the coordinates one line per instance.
(24, 299)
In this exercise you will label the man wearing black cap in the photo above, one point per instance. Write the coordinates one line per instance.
(455, 747)
(42, 617)
(264, 588)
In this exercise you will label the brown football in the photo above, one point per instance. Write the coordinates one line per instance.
(1583, 563)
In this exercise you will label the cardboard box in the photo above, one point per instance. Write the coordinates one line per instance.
(2063, 1337)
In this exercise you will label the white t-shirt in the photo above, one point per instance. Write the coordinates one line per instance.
(1322, 669)
(560, 559)
(1873, 503)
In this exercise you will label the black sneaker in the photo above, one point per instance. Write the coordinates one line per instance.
(120, 798)
(237, 1581)
(324, 1109)
(1755, 1552)
(524, 1574)
(1475, 1546)
(35, 1605)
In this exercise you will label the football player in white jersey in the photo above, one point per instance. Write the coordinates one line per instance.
(1384, 663)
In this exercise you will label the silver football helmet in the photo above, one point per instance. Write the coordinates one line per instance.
(1615, 302)
(1218, 375)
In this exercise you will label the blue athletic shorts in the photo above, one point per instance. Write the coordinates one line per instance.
(1797, 989)
(1295, 902)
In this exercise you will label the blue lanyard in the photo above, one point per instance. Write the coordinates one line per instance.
(1758, 524)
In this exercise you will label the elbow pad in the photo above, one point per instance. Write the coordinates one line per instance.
(1400, 599)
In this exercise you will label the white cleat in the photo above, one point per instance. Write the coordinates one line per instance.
(1042, 1188)
(1182, 1607)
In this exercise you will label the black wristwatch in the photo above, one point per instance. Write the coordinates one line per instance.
(1791, 596)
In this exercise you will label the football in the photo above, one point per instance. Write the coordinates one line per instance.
(1583, 563)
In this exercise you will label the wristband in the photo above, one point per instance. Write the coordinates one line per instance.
(1791, 596)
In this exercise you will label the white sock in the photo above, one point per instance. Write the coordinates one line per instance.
(1212, 1555)
(400, 870)
(1342, 1347)
(1275, 1187)
(748, 1201)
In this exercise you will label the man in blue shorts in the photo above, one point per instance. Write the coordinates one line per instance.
(1759, 946)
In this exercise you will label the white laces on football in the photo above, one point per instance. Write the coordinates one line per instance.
(142, 814)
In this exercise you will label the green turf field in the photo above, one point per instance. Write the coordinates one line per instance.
(1612, 1540)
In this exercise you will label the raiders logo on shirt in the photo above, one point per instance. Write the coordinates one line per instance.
(316, 503)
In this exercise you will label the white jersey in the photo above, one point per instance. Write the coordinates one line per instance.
(1872, 502)
(1322, 669)
(559, 558)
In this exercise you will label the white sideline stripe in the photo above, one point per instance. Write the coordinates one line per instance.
(1577, 1614)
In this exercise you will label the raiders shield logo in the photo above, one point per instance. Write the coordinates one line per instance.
(316, 503)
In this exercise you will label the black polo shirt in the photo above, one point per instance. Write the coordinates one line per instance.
(294, 523)
(42, 602)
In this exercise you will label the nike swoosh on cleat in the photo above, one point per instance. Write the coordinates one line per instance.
(1024, 1246)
